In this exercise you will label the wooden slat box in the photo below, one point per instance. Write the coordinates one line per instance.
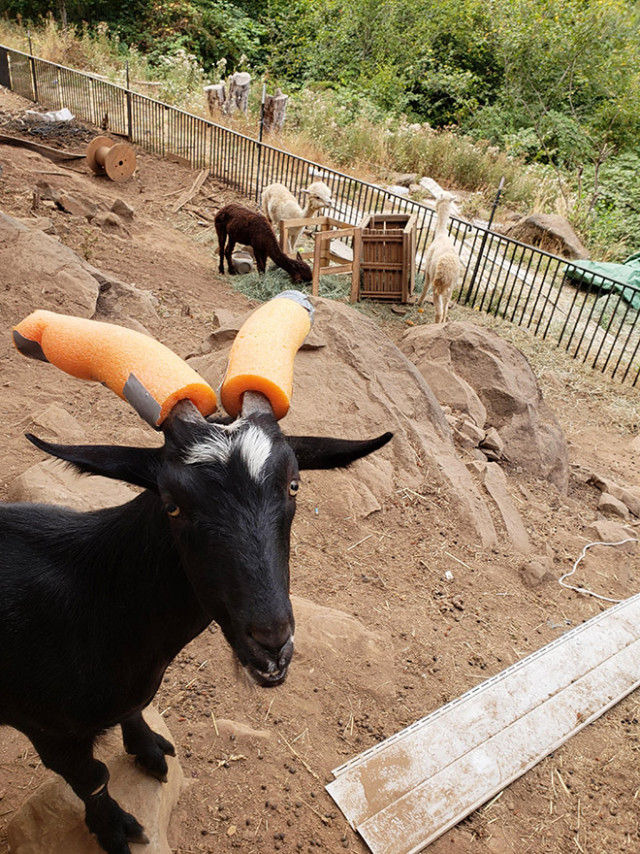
(388, 264)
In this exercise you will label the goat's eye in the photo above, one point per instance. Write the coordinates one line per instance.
(294, 486)
(172, 509)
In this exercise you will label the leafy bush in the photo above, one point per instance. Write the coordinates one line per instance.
(612, 226)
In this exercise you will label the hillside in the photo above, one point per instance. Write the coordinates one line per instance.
(422, 606)
(545, 92)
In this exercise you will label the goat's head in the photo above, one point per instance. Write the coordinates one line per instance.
(228, 492)
(444, 200)
(319, 195)
(300, 270)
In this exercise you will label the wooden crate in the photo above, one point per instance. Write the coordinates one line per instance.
(388, 263)
(325, 261)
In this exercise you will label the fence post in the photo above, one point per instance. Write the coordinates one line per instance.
(484, 240)
(260, 131)
(32, 68)
(128, 94)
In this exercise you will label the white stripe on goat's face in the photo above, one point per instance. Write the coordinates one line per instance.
(255, 447)
(249, 440)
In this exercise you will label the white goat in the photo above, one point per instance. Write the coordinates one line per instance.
(279, 203)
(442, 265)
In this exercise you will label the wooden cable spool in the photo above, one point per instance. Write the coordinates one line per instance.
(117, 160)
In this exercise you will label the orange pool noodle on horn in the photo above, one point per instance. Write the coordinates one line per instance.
(136, 367)
(261, 357)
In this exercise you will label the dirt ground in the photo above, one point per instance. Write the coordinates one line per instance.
(257, 761)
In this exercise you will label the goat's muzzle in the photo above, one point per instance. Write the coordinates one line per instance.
(270, 653)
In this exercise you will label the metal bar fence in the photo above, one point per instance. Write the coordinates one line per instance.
(525, 285)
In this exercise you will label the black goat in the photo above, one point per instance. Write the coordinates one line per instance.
(95, 605)
(238, 224)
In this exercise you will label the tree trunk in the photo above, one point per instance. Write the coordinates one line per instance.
(238, 92)
(275, 109)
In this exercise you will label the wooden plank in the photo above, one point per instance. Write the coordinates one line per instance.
(317, 264)
(355, 268)
(406, 791)
(193, 190)
(439, 803)
(336, 269)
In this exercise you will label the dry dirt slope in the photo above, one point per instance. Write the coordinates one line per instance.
(257, 761)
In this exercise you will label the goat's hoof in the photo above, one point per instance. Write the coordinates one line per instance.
(164, 744)
(153, 764)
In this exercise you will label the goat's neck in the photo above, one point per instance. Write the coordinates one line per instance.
(443, 218)
(280, 258)
(139, 558)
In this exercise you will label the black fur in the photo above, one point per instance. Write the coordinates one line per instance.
(95, 605)
(238, 224)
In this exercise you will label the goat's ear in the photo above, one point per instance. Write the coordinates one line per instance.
(298, 256)
(315, 452)
(137, 466)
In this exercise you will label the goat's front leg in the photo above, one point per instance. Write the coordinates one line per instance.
(261, 259)
(149, 747)
(88, 778)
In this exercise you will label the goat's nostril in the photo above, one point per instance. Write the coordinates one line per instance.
(272, 637)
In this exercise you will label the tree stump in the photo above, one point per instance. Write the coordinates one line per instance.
(275, 109)
(216, 98)
(238, 92)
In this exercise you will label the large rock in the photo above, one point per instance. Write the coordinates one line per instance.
(124, 304)
(495, 482)
(56, 424)
(359, 384)
(39, 272)
(52, 819)
(550, 232)
(503, 380)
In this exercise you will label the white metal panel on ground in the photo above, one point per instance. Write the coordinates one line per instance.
(406, 791)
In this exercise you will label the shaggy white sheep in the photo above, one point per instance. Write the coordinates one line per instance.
(279, 203)
(442, 263)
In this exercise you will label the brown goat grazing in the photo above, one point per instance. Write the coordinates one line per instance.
(238, 224)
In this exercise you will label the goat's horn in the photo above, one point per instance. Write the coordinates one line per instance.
(261, 358)
(255, 402)
(136, 367)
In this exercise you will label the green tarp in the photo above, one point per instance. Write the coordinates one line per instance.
(605, 277)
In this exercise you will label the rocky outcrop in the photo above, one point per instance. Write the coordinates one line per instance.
(499, 378)
(550, 232)
(39, 271)
(52, 819)
(351, 374)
